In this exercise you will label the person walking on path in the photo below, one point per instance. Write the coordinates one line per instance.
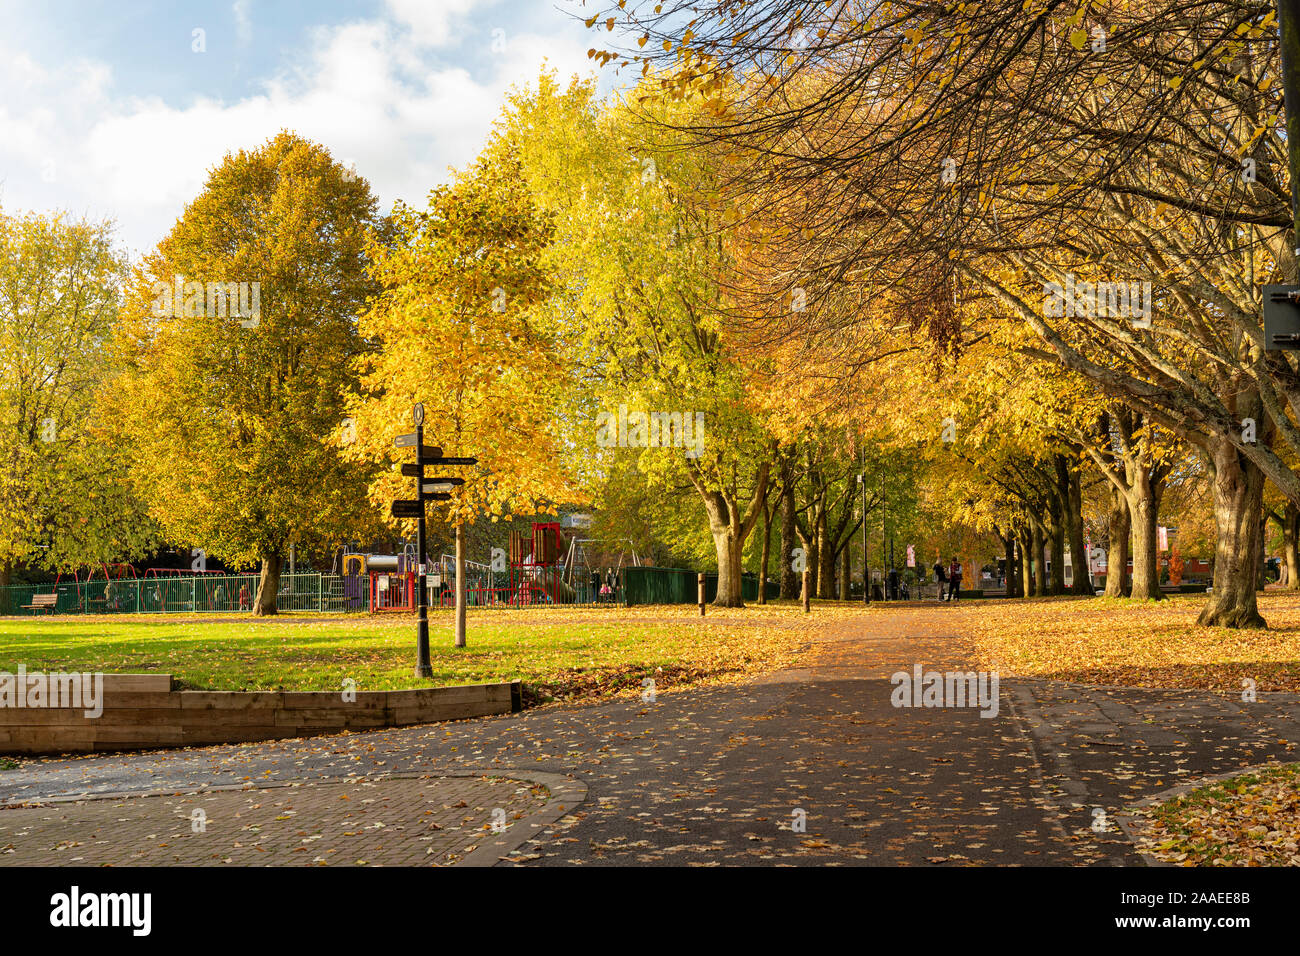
(939, 576)
(954, 580)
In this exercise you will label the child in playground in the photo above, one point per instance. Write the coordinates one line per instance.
(245, 599)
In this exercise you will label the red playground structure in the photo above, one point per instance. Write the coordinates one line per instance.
(536, 573)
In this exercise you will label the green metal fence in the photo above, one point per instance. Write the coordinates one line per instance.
(677, 586)
(327, 593)
(659, 586)
(200, 594)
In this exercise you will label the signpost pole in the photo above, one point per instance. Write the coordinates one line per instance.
(423, 666)
(439, 489)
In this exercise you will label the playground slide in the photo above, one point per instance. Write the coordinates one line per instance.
(558, 591)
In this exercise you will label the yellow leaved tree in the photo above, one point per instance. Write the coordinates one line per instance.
(455, 329)
(238, 338)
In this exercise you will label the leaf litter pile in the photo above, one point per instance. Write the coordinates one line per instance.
(1137, 643)
(1251, 820)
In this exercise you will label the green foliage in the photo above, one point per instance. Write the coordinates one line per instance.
(456, 329)
(65, 497)
(234, 425)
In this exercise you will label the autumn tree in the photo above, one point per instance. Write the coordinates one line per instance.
(456, 328)
(239, 346)
(639, 261)
(1011, 147)
(65, 497)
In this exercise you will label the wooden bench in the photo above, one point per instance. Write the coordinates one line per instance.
(42, 602)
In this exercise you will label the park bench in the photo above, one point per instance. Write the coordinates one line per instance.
(42, 602)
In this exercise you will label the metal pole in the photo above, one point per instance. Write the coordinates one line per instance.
(423, 667)
(884, 532)
(1288, 26)
(460, 585)
(699, 583)
(866, 556)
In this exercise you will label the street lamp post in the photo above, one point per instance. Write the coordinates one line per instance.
(866, 555)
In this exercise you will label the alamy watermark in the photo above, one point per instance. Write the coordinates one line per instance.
(651, 430)
(180, 299)
(37, 690)
(74, 908)
(950, 689)
(1121, 300)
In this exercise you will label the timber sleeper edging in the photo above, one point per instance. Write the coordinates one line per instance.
(146, 711)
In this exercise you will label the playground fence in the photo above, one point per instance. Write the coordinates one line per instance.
(201, 594)
(332, 593)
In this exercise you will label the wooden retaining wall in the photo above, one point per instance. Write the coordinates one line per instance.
(142, 711)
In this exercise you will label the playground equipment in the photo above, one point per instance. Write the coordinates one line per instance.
(544, 566)
(596, 566)
(480, 584)
(536, 569)
(97, 590)
(388, 580)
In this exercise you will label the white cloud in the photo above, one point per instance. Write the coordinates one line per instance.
(433, 24)
(364, 92)
(243, 23)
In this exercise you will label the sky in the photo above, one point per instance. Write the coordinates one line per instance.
(119, 109)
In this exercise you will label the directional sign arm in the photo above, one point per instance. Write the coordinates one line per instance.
(407, 509)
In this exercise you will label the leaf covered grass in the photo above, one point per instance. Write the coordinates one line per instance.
(1250, 820)
(1138, 643)
(558, 653)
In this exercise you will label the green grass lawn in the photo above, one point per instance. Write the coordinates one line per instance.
(557, 653)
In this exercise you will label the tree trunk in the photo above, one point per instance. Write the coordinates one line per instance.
(1039, 576)
(1291, 545)
(812, 559)
(268, 586)
(1026, 564)
(1117, 545)
(826, 560)
(728, 546)
(1260, 576)
(846, 569)
(1057, 544)
(789, 538)
(1009, 559)
(1238, 502)
(1146, 558)
(767, 554)
(460, 585)
(1078, 547)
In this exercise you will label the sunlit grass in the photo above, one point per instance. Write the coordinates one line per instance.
(561, 652)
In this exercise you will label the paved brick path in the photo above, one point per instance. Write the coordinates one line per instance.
(403, 822)
(715, 775)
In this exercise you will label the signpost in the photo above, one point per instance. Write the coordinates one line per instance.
(432, 489)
